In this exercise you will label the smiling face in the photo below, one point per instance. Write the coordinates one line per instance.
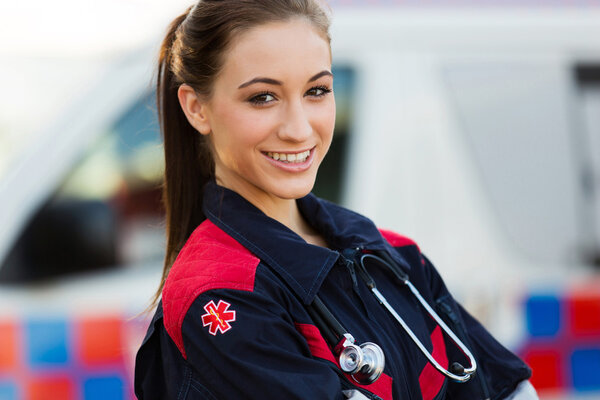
(271, 115)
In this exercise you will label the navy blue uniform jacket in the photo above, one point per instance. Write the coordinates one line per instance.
(233, 323)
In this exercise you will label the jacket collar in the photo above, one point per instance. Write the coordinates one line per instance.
(301, 265)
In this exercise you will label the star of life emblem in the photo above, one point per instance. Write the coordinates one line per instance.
(218, 317)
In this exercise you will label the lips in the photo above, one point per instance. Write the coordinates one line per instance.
(291, 161)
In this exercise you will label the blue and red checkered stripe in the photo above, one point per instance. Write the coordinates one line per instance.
(67, 358)
(563, 340)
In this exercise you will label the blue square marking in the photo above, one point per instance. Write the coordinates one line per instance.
(585, 369)
(8, 391)
(543, 315)
(104, 387)
(47, 343)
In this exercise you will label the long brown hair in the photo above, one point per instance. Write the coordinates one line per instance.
(193, 52)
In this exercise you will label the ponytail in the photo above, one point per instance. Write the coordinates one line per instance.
(193, 53)
(188, 161)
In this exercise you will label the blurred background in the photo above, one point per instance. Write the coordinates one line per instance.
(471, 126)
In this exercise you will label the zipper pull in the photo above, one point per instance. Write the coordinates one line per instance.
(347, 257)
(350, 266)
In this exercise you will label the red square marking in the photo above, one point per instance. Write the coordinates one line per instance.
(546, 366)
(101, 340)
(584, 311)
(8, 338)
(55, 388)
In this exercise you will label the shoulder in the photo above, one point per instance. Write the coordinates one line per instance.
(397, 240)
(406, 247)
(210, 259)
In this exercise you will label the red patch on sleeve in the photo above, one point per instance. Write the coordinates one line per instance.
(211, 259)
(430, 379)
(397, 240)
(382, 387)
(218, 317)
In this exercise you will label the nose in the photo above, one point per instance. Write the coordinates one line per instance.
(295, 126)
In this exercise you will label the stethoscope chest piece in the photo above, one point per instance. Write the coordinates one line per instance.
(374, 362)
(364, 363)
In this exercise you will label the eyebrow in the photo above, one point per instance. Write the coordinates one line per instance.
(272, 81)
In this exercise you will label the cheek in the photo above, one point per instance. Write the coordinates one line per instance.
(237, 131)
(324, 121)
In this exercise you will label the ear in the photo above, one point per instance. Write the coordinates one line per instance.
(195, 110)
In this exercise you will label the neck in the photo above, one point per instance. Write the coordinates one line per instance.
(286, 212)
(290, 216)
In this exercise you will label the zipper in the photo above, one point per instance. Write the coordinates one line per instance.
(348, 257)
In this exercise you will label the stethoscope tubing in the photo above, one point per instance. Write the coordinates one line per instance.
(467, 372)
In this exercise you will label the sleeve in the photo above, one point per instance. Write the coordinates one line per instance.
(245, 345)
(525, 391)
(499, 371)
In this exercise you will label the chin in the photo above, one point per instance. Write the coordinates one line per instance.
(293, 190)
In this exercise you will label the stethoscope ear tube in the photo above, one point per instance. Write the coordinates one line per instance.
(458, 373)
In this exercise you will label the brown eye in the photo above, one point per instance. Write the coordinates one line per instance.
(262, 98)
(318, 91)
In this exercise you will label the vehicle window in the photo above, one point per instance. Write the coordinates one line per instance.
(587, 142)
(107, 212)
(331, 178)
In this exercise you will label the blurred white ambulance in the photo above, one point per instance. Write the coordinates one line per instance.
(472, 128)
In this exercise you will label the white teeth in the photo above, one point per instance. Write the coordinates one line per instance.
(290, 157)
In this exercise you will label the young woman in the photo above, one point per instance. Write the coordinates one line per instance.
(263, 282)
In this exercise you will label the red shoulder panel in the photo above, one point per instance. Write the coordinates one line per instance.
(397, 240)
(382, 387)
(210, 259)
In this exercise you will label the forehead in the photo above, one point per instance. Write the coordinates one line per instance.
(289, 49)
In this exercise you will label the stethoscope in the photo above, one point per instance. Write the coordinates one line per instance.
(365, 362)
